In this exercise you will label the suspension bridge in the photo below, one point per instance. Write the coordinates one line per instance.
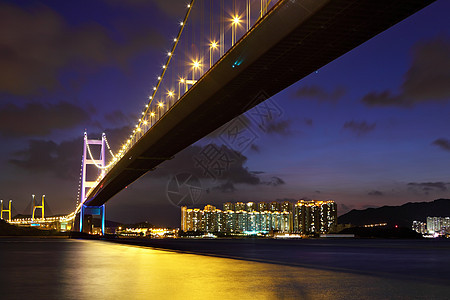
(227, 57)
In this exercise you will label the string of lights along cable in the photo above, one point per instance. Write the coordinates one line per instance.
(208, 30)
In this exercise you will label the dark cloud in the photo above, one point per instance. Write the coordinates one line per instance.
(375, 193)
(37, 43)
(226, 164)
(442, 143)
(360, 128)
(117, 117)
(255, 148)
(228, 168)
(317, 93)
(318, 192)
(309, 122)
(274, 181)
(227, 187)
(427, 78)
(62, 160)
(281, 127)
(36, 119)
(427, 187)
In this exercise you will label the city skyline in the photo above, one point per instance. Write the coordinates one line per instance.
(369, 129)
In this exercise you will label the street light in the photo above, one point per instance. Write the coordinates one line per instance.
(195, 65)
(180, 82)
(212, 46)
(234, 25)
(160, 106)
(170, 94)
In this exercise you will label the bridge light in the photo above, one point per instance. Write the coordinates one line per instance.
(236, 20)
(160, 104)
(181, 23)
(169, 53)
(196, 64)
(182, 80)
(139, 129)
(152, 114)
(175, 39)
(159, 77)
(154, 88)
(213, 45)
(145, 122)
(170, 93)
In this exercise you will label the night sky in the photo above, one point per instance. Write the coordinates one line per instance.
(369, 129)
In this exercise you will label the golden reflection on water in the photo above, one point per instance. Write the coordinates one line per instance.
(101, 270)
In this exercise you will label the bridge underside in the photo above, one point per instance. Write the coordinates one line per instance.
(295, 39)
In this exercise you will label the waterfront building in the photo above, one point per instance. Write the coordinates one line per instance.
(262, 206)
(303, 217)
(274, 206)
(250, 206)
(228, 206)
(438, 225)
(239, 206)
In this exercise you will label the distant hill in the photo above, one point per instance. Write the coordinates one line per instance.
(402, 215)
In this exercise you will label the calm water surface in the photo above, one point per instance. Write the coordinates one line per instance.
(80, 269)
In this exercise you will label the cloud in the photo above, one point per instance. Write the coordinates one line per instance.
(309, 122)
(255, 148)
(279, 127)
(375, 193)
(274, 181)
(117, 117)
(36, 44)
(218, 164)
(61, 160)
(360, 128)
(317, 93)
(442, 143)
(37, 119)
(227, 187)
(426, 80)
(427, 187)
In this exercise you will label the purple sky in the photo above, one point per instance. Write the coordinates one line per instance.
(369, 129)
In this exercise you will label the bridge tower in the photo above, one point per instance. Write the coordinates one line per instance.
(88, 159)
(35, 206)
(2, 210)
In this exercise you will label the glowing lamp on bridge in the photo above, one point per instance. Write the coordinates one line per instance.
(212, 46)
(195, 66)
(235, 22)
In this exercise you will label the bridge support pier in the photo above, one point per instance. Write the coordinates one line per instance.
(86, 221)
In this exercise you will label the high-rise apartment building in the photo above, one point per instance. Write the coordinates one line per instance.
(303, 217)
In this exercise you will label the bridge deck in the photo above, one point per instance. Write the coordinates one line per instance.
(293, 40)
